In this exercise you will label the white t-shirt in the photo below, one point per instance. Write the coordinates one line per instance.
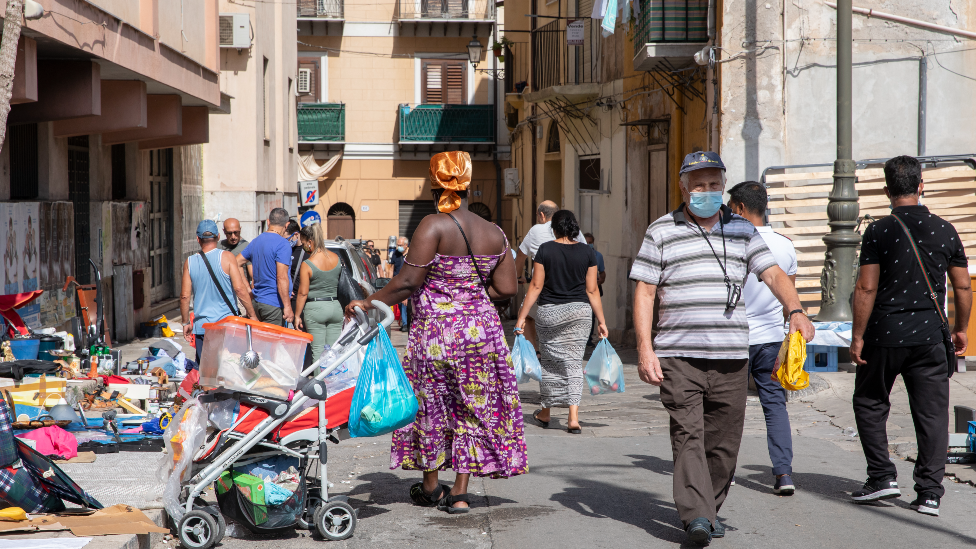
(538, 235)
(764, 311)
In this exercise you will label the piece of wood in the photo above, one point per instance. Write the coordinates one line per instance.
(125, 403)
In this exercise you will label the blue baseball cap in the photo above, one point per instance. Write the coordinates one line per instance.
(207, 229)
(700, 160)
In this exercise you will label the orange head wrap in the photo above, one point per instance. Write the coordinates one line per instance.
(451, 171)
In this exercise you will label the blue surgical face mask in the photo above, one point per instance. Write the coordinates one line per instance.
(705, 204)
(400, 249)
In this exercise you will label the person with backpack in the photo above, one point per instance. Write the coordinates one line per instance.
(210, 276)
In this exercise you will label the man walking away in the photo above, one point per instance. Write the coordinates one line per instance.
(696, 259)
(601, 276)
(235, 244)
(270, 257)
(898, 330)
(539, 234)
(398, 256)
(765, 314)
(209, 305)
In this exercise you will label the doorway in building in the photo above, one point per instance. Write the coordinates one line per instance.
(658, 190)
(552, 182)
(78, 193)
(341, 221)
(161, 224)
(412, 212)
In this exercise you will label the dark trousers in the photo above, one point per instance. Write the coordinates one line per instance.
(706, 400)
(405, 314)
(198, 343)
(772, 396)
(269, 313)
(925, 373)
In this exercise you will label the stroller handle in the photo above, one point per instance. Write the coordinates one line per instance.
(387, 312)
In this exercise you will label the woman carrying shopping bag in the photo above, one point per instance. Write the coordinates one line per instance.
(564, 280)
(469, 416)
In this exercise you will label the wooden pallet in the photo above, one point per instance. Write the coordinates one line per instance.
(798, 210)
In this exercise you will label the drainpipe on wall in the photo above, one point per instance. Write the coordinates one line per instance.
(494, 155)
(713, 69)
(922, 96)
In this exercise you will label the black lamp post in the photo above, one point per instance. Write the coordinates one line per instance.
(474, 50)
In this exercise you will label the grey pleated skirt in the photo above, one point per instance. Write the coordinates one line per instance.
(563, 331)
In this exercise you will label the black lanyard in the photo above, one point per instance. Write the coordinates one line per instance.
(734, 290)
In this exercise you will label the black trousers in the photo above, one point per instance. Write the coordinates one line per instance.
(925, 373)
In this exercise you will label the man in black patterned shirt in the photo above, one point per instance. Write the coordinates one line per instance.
(897, 330)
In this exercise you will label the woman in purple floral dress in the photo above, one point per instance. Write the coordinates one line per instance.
(470, 416)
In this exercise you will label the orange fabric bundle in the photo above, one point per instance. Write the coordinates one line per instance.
(451, 171)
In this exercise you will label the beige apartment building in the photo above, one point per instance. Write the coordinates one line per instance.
(101, 161)
(382, 86)
(249, 166)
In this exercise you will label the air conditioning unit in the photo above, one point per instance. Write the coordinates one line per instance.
(235, 30)
(304, 80)
(512, 186)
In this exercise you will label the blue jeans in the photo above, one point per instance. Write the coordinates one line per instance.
(405, 314)
(772, 396)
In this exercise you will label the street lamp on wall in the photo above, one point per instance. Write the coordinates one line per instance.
(474, 51)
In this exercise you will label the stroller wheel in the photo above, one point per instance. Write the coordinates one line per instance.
(335, 520)
(198, 530)
(200, 504)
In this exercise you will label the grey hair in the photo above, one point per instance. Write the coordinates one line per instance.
(683, 178)
(278, 217)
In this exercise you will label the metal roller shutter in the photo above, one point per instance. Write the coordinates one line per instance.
(412, 212)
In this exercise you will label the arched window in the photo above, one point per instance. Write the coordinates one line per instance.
(341, 221)
(480, 209)
(552, 144)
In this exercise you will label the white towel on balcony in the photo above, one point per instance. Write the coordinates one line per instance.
(310, 170)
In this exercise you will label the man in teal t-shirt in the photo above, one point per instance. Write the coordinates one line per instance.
(270, 257)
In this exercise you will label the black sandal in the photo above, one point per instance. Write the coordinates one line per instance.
(574, 431)
(447, 504)
(423, 499)
(535, 416)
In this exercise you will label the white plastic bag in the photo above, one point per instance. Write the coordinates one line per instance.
(524, 361)
(184, 435)
(604, 372)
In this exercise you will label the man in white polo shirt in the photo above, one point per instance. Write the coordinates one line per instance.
(766, 331)
(539, 234)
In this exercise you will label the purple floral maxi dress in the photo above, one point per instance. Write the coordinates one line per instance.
(469, 417)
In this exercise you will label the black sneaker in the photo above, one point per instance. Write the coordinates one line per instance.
(718, 529)
(927, 504)
(877, 489)
(700, 531)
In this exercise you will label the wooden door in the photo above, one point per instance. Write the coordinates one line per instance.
(341, 225)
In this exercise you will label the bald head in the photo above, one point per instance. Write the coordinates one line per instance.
(545, 210)
(232, 231)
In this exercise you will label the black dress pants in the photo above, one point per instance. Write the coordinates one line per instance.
(926, 376)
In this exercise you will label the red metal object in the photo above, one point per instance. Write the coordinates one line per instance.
(8, 304)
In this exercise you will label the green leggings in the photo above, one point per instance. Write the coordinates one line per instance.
(323, 319)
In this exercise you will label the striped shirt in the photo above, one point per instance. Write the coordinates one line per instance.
(691, 291)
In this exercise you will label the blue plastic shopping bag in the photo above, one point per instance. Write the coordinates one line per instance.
(384, 400)
(604, 373)
(526, 364)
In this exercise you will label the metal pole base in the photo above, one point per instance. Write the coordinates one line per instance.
(840, 262)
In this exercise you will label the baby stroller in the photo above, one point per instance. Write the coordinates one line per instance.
(263, 427)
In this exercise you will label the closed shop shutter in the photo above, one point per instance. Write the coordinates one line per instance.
(443, 82)
(412, 212)
(308, 80)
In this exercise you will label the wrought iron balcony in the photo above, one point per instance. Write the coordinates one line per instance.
(327, 9)
(447, 124)
(445, 17)
(667, 34)
(321, 122)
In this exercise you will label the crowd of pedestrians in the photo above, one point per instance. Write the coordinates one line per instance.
(714, 296)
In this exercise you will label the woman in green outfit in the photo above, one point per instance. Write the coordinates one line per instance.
(318, 280)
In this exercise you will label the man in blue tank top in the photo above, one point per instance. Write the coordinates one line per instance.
(208, 303)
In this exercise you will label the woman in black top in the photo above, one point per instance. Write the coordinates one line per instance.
(564, 280)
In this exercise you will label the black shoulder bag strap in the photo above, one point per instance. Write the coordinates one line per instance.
(298, 269)
(950, 347)
(213, 277)
(484, 282)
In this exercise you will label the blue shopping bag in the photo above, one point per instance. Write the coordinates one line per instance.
(524, 361)
(604, 372)
(384, 400)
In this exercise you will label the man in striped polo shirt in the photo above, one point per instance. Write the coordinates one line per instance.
(694, 262)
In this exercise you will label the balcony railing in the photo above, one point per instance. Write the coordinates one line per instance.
(472, 10)
(555, 63)
(517, 67)
(670, 21)
(447, 124)
(321, 122)
(326, 9)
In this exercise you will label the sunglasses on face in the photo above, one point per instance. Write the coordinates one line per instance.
(232, 233)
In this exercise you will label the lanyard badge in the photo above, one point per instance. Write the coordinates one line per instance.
(734, 290)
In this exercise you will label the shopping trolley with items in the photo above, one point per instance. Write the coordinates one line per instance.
(259, 415)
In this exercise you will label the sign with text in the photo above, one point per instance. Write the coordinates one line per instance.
(574, 33)
(308, 192)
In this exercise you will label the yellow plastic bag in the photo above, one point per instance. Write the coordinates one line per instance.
(13, 514)
(167, 332)
(792, 355)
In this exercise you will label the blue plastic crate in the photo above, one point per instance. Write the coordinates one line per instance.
(821, 358)
(972, 436)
